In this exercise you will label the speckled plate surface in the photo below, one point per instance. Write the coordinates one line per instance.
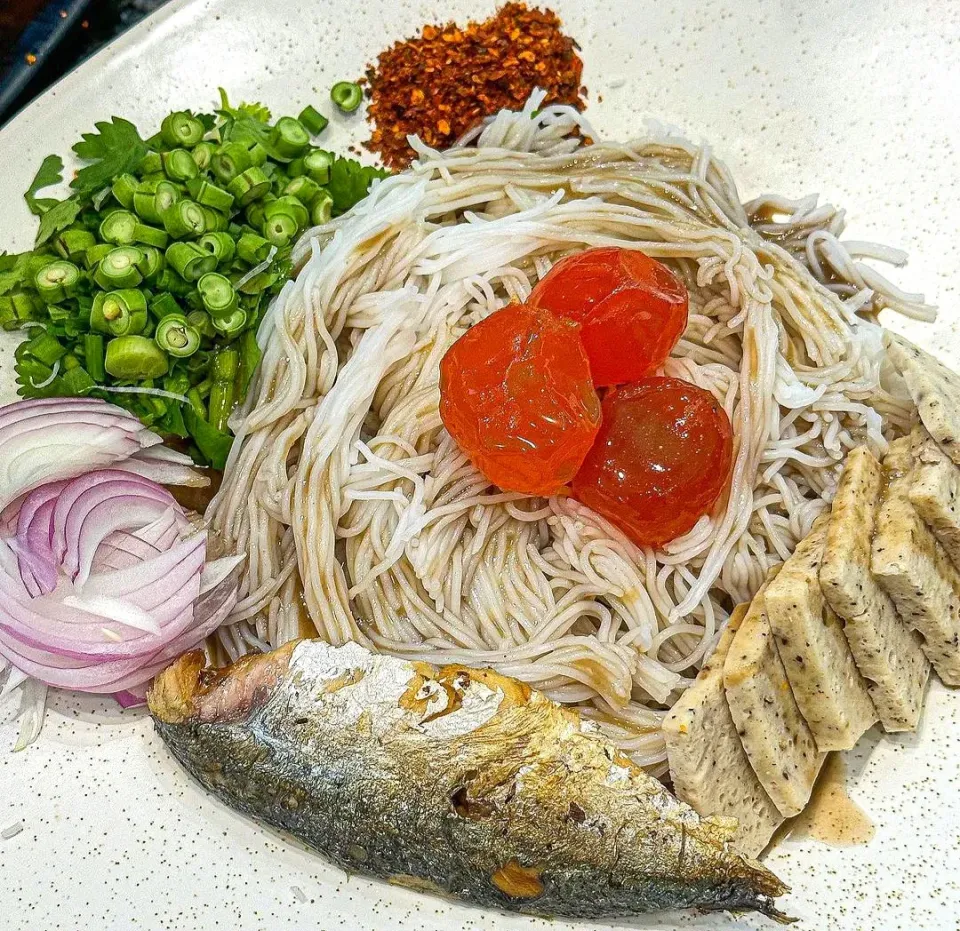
(856, 101)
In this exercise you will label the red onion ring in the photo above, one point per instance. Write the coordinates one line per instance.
(102, 576)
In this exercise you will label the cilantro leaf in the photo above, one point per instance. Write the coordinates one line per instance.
(254, 111)
(117, 149)
(13, 270)
(50, 173)
(350, 181)
(10, 278)
(57, 218)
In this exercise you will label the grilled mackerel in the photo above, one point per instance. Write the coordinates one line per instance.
(456, 781)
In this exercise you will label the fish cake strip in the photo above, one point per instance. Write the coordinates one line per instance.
(774, 734)
(708, 765)
(935, 492)
(934, 389)
(915, 570)
(888, 653)
(823, 674)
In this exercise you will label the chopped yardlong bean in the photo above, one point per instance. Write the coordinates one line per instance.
(164, 268)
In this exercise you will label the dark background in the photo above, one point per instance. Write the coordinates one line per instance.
(59, 36)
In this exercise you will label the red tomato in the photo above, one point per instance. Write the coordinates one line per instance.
(516, 395)
(631, 309)
(661, 460)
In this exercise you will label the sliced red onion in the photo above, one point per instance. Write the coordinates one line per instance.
(166, 466)
(102, 576)
(46, 439)
(131, 698)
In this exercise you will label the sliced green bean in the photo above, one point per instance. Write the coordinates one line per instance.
(346, 95)
(152, 262)
(317, 165)
(178, 164)
(124, 311)
(118, 268)
(135, 358)
(184, 219)
(289, 138)
(150, 236)
(177, 337)
(124, 187)
(119, 228)
(249, 185)
(202, 154)
(153, 198)
(304, 188)
(322, 208)
(93, 355)
(252, 249)
(57, 281)
(220, 245)
(181, 129)
(209, 195)
(218, 295)
(314, 121)
(189, 260)
(74, 243)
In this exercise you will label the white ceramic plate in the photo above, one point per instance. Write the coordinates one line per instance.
(857, 101)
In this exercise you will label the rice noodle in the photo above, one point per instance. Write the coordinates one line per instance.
(359, 514)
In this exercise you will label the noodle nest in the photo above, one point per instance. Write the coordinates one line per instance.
(359, 515)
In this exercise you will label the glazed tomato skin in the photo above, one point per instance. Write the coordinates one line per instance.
(516, 395)
(661, 460)
(632, 310)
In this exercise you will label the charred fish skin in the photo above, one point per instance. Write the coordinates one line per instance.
(457, 781)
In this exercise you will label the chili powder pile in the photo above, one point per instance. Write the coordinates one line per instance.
(446, 81)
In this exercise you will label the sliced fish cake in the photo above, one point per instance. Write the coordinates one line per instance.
(708, 765)
(935, 492)
(774, 735)
(823, 674)
(888, 654)
(934, 389)
(915, 570)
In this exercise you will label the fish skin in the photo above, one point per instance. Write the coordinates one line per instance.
(455, 780)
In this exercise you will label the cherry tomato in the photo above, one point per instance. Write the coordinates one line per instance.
(516, 395)
(661, 460)
(631, 309)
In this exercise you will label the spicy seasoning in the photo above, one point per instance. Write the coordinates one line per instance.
(443, 83)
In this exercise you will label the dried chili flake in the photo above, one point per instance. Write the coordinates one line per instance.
(444, 82)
